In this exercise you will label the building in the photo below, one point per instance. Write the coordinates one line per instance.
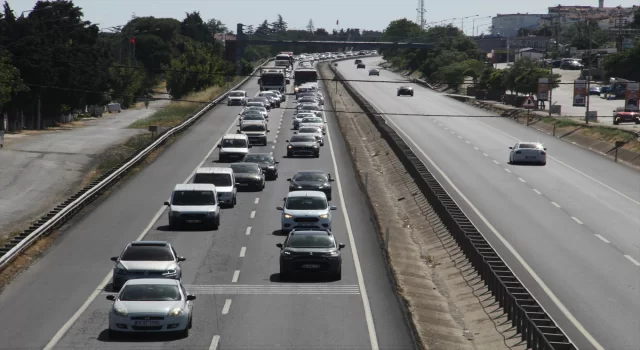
(530, 53)
(508, 25)
(606, 17)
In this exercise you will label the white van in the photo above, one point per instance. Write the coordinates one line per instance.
(223, 179)
(237, 98)
(194, 204)
(233, 147)
(256, 131)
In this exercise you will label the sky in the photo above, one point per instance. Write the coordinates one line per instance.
(363, 14)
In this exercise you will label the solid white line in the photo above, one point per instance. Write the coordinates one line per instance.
(495, 161)
(570, 167)
(521, 179)
(65, 328)
(373, 338)
(476, 148)
(243, 251)
(236, 274)
(503, 240)
(484, 154)
(446, 128)
(459, 136)
(576, 220)
(256, 201)
(634, 261)
(248, 232)
(507, 170)
(468, 142)
(602, 238)
(556, 204)
(536, 191)
(253, 214)
(226, 307)
(214, 342)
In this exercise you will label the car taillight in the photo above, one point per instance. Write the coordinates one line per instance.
(518, 152)
(543, 152)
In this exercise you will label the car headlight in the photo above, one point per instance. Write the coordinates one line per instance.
(333, 253)
(120, 311)
(174, 213)
(289, 146)
(175, 312)
(288, 216)
(315, 146)
(271, 167)
(324, 216)
(169, 272)
(286, 253)
(120, 270)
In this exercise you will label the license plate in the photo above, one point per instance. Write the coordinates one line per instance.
(146, 323)
(529, 157)
(311, 266)
(193, 221)
(306, 225)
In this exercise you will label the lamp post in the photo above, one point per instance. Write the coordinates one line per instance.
(473, 24)
(462, 22)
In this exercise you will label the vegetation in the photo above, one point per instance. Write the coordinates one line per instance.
(624, 63)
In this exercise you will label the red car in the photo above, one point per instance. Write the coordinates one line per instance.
(626, 115)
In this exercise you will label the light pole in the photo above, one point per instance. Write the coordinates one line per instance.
(473, 24)
(481, 25)
(462, 22)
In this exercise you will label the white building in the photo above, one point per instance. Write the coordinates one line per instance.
(606, 17)
(508, 25)
(530, 53)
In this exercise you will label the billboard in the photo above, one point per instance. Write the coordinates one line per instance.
(543, 89)
(580, 93)
(632, 96)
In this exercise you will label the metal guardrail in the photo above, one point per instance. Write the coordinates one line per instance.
(531, 321)
(64, 211)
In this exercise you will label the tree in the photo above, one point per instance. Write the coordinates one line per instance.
(194, 27)
(321, 32)
(263, 29)
(636, 19)
(579, 35)
(624, 64)
(279, 26)
(250, 30)
(10, 81)
(402, 29)
(310, 26)
(216, 27)
(196, 69)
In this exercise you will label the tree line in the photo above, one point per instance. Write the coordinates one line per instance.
(53, 62)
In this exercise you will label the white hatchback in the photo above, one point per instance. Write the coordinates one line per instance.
(528, 152)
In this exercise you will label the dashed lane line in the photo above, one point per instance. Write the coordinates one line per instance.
(214, 342)
(226, 307)
(256, 201)
(495, 161)
(236, 275)
(253, 214)
(248, 231)
(633, 261)
(243, 251)
(602, 238)
(507, 170)
(576, 220)
(536, 191)
(521, 180)
(556, 204)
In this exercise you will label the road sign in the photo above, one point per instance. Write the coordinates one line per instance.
(529, 103)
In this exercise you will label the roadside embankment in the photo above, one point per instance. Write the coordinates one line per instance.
(448, 308)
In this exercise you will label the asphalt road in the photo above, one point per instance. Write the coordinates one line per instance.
(572, 227)
(241, 303)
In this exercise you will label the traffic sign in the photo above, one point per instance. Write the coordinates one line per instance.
(529, 103)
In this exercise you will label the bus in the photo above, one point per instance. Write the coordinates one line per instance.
(304, 75)
(284, 60)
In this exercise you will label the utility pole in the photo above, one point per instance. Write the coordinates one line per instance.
(420, 20)
(588, 95)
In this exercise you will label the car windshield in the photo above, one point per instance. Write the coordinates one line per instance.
(253, 127)
(258, 158)
(310, 241)
(310, 177)
(255, 105)
(147, 253)
(309, 130)
(303, 138)
(234, 143)
(222, 180)
(305, 115)
(236, 94)
(253, 116)
(245, 168)
(306, 203)
(150, 292)
(193, 198)
(529, 145)
(312, 120)
(310, 108)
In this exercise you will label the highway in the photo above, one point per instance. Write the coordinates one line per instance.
(60, 301)
(570, 230)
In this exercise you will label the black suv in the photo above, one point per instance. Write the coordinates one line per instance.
(267, 163)
(361, 65)
(305, 144)
(310, 251)
(405, 90)
(248, 175)
(311, 180)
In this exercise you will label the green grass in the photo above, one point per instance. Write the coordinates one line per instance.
(119, 153)
(178, 111)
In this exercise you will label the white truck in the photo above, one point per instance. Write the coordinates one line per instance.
(273, 78)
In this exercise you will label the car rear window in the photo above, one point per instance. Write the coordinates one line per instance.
(222, 180)
(529, 145)
(150, 292)
(193, 198)
(311, 241)
(147, 253)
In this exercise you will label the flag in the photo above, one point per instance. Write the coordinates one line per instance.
(337, 21)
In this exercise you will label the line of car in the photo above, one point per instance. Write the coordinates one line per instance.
(147, 274)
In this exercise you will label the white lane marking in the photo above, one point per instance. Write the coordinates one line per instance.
(495, 161)
(476, 148)
(256, 201)
(214, 342)
(236, 274)
(521, 179)
(507, 170)
(602, 238)
(536, 191)
(459, 136)
(634, 261)
(556, 204)
(274, 146)
(248, 232)
(373, 338)
(576, 220)
(484, 154)
(253, 214)
(503, 240)
(468, 142)
(226, 307)
(570, 167)
(243, 251)
(65, 328)
(446, 128)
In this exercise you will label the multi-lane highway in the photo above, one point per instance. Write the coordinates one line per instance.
(570, 229)
(241, 304)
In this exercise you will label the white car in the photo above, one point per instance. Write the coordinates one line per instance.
(194, 204)
(306, 209)
(297, 118)
(314, 121)
(223, 179)
(237, 98)
(233, 147)
(528, 152)
(151, 305)
(312, 130)
(252, 117)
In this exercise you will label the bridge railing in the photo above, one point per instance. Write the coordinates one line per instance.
(319, 38)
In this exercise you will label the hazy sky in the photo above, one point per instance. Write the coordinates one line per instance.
(363, 14)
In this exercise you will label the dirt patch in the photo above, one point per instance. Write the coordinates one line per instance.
(449, 306)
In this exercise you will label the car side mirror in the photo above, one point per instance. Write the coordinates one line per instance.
(259, 81)
(219, 146)
(181, 258)
(250, 146)
(114, 258)
(237, 184)
(510, 147)
(279, 245)
(288, 179)
(295, 132)
(111, 297)
(341, 245)
(333, 207)
(167, 203)
(191, 297)
(268, 130)
(545, 149)
(238, 131)
(277, 162)
(279, 208)
(286, 140)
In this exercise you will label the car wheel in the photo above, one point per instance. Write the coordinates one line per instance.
(190, 322)
(317, 155)
(184, 333)
(289, 155)
(113, 334)
(398, 94)
(338, 274)
(283, 275)
(543, 163)
(264, 184)
(233, 203)
(216, 223)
